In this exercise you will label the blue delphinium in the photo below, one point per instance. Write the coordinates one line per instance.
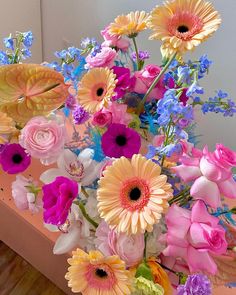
(4, 59)
(204, 66)
(28, 39)
(184, 74)
(9, 42)
(197, 284)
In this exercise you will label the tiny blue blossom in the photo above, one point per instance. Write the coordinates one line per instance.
(26, 53)
(28, 39)
(194, 89)
(9, 43)
(184, 74)
(4, 60)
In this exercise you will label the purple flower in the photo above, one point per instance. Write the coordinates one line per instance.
(141, 54)
(120, 140)
(14, 158)
(57, 199)
(70, 102)
(197, 284)
(124, 81)
(80, 116)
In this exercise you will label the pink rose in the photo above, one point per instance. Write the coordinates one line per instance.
(119, 113)
(128, 248)
(104, 58)
(144, 79)
(43, 139)
(211, 174)
(194, 236)
(102, 118)
(224, 157)
(23, 197)
(114, 41)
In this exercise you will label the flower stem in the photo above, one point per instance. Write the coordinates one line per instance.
(83, 190)
(86, 216)
(137, 54)
(156, 80)
(145, 246)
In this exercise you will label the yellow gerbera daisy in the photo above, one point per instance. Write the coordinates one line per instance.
(132, 195)
(93, 274)
(183, 24)
(130, 24)
(96, 89)
(7, 126)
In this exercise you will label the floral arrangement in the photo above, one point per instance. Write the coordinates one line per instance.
(143, 209)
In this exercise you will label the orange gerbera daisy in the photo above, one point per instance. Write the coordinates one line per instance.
(130, 24)
(96, 89)
(95, 274)
(132, 194)
(183, 24)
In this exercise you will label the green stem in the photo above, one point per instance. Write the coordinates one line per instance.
(145, 246)
(137, 54)
(156, 80)
(86, 216)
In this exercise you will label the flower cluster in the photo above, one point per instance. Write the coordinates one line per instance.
(143, 209)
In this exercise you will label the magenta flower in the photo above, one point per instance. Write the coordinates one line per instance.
(124, 82)
(211, 173)
(57, 199)
(120, 140)
(194, 236)
(14, 158)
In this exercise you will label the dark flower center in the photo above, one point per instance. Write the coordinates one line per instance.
(101, 273)
(135, 194)
(17, 158)
(182, 29)
(121, 140)
(100, 91)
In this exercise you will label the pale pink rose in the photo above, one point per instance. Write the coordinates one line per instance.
(102, 118)
(119, 113)
(128, 248)
(23, 197)
(144, 79)
(194, 236)
(224, 157)
(104, 58)
(211, 178)
(114, 41)
(43, 138)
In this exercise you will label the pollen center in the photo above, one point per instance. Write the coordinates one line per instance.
(121, 140)
(101, 273)
(100, 91)
(182, 29)
(17, 158)
(135, 194)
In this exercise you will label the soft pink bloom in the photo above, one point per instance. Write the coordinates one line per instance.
(158, 140)
(106, 164)
(44, 139)
(114, 41)
(119, 113)
(23, 197)
(194, 236)
(128, 248)
(102, 118)
(104, 58)
(144, 79)
(211, 174)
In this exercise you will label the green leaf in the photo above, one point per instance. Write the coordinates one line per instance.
(144, 271)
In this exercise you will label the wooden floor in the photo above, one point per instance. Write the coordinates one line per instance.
(18, 277)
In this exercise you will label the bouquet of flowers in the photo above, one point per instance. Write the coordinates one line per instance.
(142, 208)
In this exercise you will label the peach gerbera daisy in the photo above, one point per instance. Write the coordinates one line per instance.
(7, 126)
(130, 24)
(183, 24)
(96, 88)
(95, 274)
(132, 195)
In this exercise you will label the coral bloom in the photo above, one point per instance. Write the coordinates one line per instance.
(95, 274)
(130, 24)
(132, 195)
(183, 25)
(7, 126)
(96, 89)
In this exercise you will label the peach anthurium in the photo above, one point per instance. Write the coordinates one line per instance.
(28, 90)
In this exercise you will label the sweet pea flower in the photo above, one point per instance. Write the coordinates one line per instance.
(43, 138)
(119, 113)
(128, 248)
(194, 236)
(124, 81)
(104, 58)
(81, 168)
(144, 79)
(117, 42)
(211, 173)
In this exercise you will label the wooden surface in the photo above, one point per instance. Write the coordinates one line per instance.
(18, 277)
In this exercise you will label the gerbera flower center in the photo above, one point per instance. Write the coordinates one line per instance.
(183, 29)
(100, 91)
(121, 140)
(17, 158)
(101, 273)
(135, 194)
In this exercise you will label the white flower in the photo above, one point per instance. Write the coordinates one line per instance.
(81, 168)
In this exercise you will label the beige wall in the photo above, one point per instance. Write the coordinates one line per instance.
(22, 15)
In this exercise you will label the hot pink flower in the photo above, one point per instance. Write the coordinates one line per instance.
(144, 79)
(211, 173)
(194, 236)
(114, 41)
(102, 118)
(43, 139)
(104, 58)
(128, 248)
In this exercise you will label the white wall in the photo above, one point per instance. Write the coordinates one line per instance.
(70, 20)
(22, 15)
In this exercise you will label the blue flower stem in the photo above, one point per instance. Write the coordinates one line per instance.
(156, 80)
(137, 53)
